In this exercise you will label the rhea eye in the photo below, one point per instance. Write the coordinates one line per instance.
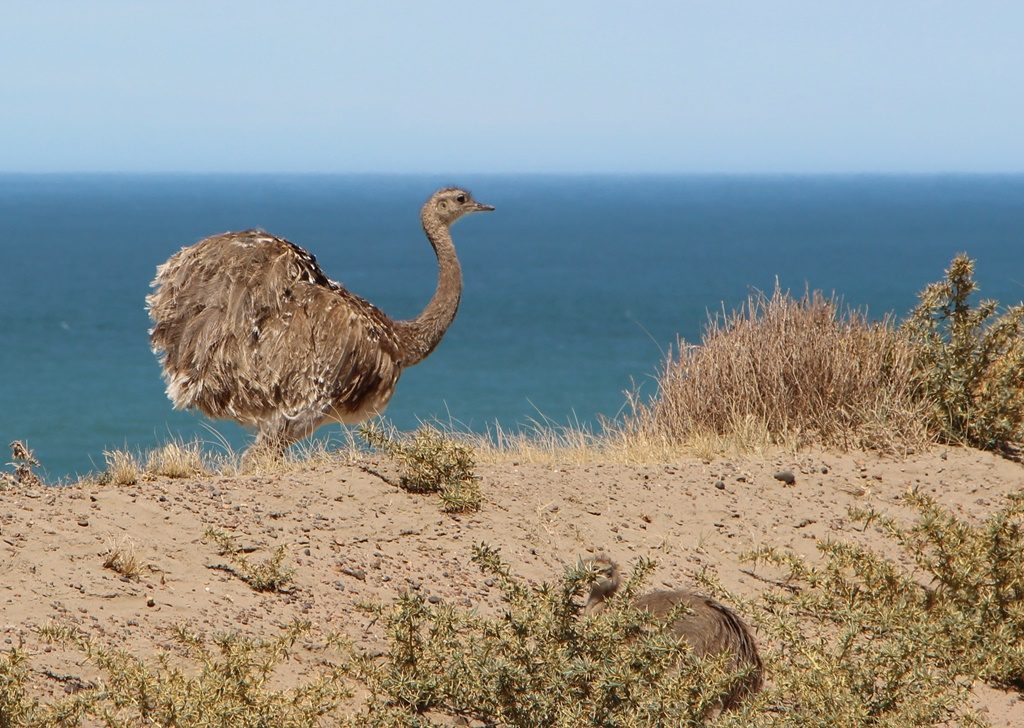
(461, 198)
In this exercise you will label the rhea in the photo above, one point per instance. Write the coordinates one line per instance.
(709, 627)
(248, 327)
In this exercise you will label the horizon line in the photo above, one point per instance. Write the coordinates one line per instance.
(513, 173)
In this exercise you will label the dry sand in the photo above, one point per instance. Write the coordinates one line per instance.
(353, 538)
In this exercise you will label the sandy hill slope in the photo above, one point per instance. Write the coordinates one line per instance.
(351, 537)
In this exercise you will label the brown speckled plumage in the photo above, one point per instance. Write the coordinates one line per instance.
(710, 628)
(249, 328)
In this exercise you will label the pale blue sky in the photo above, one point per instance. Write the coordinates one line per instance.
(478, 86)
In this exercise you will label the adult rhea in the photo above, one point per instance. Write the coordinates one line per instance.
(248, 328)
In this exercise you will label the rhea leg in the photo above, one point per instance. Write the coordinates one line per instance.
(276, 436)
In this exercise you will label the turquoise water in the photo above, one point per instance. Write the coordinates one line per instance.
(574, 287)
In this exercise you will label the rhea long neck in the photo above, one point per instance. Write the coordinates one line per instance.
(421, 335)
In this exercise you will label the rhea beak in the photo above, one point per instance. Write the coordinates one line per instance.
(480, 207)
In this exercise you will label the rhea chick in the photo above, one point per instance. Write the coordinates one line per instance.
(710, 628)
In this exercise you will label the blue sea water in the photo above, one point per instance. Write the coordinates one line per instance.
(575, 286)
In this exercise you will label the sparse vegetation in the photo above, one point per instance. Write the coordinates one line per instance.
(122, 558)
(969, 361)
(862, 633)
(177, 460)
(225, 681)
(855, 640)
(794, 372)
(431, 462)
(976, 589)
(122, 468)
(539, 663)
(269, 575)
(789, 371)
(23, 461)
(16, 707)
(852, 639)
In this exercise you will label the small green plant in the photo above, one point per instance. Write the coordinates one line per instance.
(969, 361)
(431, 462)
(269, 575)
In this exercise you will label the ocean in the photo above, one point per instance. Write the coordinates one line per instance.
(574, 288)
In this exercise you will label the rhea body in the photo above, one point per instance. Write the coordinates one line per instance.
(248, 327)
(709, 627)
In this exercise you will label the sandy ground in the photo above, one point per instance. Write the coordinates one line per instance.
(353, 538)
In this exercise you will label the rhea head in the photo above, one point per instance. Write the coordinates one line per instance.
(451, 203)
(606, 580)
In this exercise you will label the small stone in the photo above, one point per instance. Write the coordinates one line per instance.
(353, 572)
(824, 470)
(786, 476)
(720, 484)
(339, 585)
(151, 602)
(489, 582)
(434, 599)
(385, 578)
(83, 521)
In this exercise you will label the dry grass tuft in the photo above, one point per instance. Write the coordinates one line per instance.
(122, 468)
(787, 371)
(23, 461)
(121, 557)
(331, 450)
(177, 460)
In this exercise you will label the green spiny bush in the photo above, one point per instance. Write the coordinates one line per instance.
(16, 708)
(539, 663)
(865, 641)
(976, 590)
(969, 361)
(855, 645)
(269, 575)
(223, 681)
(431, 462)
